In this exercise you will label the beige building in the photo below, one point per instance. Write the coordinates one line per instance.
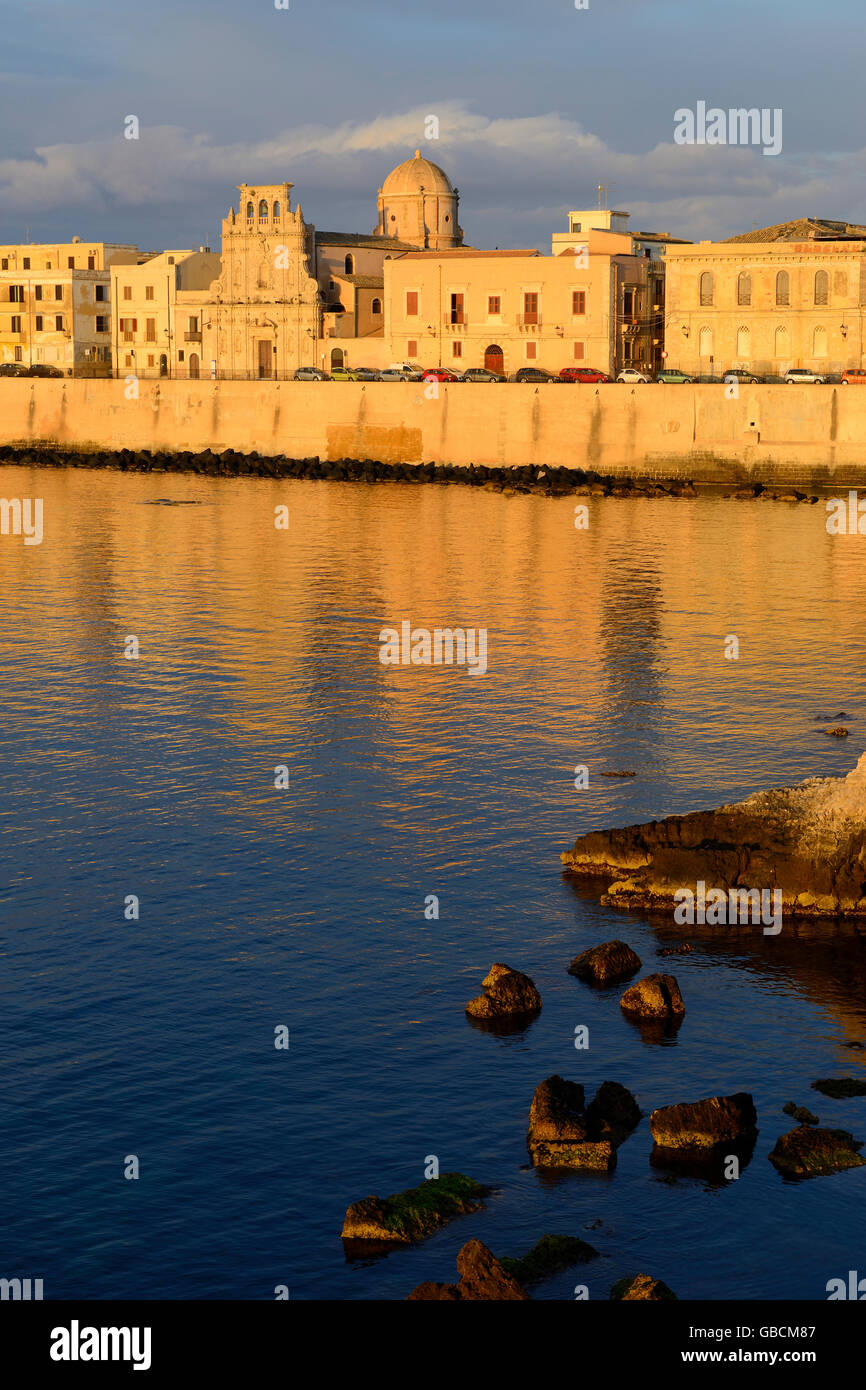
(151, 335)
(418, 204)
(55, 304)
(594, 303)
(791, 295)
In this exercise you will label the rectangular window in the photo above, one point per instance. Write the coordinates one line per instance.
(494, 305)
(101, 323)
(37, 291)
(18, 354)
(91, 262)
(456, 349)
(628, 303)
(26, 262)
(39, 323)
(128, 360)
(412, 349)
(578, 301)
(148, 291)
(127, 291)
(193, 324)
(457, 308)
(58, 291)
(16, 294)
(531, 350)
(16, 324)
(151, 360)
(4, 264)
(579, 350)
(70, 262)
(150, 330)
(530, 308)
(58, 323)
(411, 303)
(101, 293)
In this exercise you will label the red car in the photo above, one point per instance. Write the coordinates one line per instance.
(854, 376)
(588, 374)
(440, 374)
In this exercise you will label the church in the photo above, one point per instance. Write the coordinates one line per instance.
(289, 296)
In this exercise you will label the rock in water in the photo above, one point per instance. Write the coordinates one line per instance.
(566, 1133)
(481, 1277)
(703, 1124)
(548, 1256)
(406, 1217)
(506, 992)
(602, 965)
(655, 997)
(800, 1114)
(642, 1286)
(812, 1153)
(840, 1088)
(809, 841)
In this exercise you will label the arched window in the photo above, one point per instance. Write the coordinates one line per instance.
(822, 287)
(744, 343)
(277, 208)
(744, 288)
(780, 345)
(336, 358)
(250, 212)
(783, 291)
(819, 338)
(705, 342)
(376, 306)
(349, 265)
(263, 207)
(706, 289)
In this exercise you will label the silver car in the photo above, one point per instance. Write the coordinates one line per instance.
(795, 374)
(632, 375)
(397, 374)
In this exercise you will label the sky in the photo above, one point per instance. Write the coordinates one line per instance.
(537, 103)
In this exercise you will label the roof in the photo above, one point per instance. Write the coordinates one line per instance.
(804, 229)
(377, 243)
(661, 236)
(415, 174)
(468, 252)
(362, 282)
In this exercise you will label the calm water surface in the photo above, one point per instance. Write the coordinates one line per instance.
(306, 907)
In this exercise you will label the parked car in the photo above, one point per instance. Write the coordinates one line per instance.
(852, 376)
(12, 369)
(412, 370)
(803, 374)
(707, 380)
(310, 374)
(741, 374)
(481, 374)
(352, 374)
(535, 374)
(440, 374)
(631, 375)
(585, 374)
(672, 376)
(42, 369)
(394, 374)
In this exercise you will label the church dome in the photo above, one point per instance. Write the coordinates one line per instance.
(414, 174)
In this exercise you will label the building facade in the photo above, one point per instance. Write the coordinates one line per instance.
(793, 295)
(55, 305)
(151, 335)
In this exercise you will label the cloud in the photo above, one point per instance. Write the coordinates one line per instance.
(516, 176)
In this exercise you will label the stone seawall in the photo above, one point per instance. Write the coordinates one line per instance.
(791, 435)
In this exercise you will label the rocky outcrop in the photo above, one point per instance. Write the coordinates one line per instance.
(800, 1114)
(813, 1153)
(808, 841)
(605, 964)
(642, 1287)
(700, 1126)
(482, 1277)
(410, 1216)
(506, 993)
(656, 997)
(566, 1133)
(549, 1256)
(841, 1087)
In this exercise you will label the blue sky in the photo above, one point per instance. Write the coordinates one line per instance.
(537, 103)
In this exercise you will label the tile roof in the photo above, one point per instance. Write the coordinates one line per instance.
(803, 229)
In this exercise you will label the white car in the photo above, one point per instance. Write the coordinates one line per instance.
(795, 374)
(631, 374)
(397, 374)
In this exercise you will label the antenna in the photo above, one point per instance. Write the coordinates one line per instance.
(602, 201)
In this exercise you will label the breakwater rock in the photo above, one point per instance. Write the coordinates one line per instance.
(482, 1277)
(804, 845)
(410, 1216)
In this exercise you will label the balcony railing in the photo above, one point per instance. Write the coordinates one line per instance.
(530, 320)
(194, 337)
(454, 319)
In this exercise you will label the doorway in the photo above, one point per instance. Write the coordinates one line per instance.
(266, 353)
(494, 359)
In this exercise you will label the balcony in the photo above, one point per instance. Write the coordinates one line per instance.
(531, 321)
(456, 321)
(194, 337)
